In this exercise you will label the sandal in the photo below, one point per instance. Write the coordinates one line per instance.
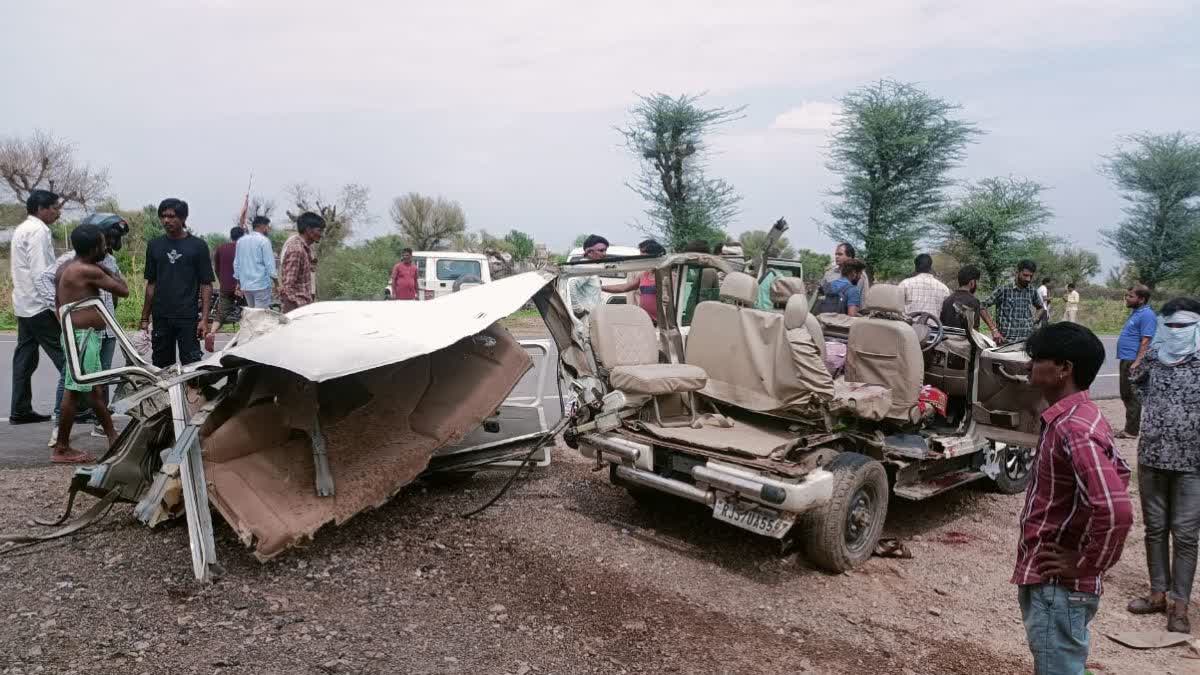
(1145, 606)
(73, 457)
(1125, 436)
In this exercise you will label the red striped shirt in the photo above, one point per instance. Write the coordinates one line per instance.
(1077, 497)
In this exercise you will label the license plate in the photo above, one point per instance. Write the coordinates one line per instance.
(753, 518)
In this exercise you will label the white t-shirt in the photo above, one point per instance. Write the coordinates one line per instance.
(1073, 298)
(1044, 294)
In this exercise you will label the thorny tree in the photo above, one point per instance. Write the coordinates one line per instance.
(341, 217)
(667, 136)
(991, 221)
(893, 148)
(427, 222)
(42, 161)
(1159, 177)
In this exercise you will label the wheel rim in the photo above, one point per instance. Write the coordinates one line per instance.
(860, 518)
(1017, 463)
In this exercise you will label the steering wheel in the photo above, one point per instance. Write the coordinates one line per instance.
(936, 333)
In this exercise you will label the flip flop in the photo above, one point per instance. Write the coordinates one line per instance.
(76, 457)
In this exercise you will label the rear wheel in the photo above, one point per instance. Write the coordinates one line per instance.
(843, 533)
(1015, 468)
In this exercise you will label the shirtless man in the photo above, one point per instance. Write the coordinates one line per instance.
(81, 278)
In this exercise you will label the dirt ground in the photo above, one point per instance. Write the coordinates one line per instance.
(565, 575)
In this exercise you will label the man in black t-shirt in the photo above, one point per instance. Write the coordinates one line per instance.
(179, 277)
(968, 283)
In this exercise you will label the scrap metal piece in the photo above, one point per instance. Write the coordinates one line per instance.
(195, 489)
(322, 475)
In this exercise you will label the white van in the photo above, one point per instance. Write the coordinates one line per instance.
(443, 272)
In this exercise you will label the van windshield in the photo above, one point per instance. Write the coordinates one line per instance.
(452, 270)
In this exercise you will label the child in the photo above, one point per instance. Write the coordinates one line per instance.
(79, 279)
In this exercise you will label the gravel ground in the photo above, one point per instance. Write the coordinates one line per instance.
(565, 575)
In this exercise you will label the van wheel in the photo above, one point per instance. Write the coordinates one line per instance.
(843, 533)
(1016, 465)
(465, 279)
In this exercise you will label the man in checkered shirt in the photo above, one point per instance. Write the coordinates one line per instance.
(1018, 305)
(922, 291)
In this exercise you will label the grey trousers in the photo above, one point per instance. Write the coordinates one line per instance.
(1170, 507)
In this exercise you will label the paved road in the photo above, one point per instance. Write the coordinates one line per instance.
(26, 445)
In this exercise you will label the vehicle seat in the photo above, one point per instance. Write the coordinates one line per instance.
(747, 355)
(883, 350)
(783, 290)
(626, 346)
(808, 350)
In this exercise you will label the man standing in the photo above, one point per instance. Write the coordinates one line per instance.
(1072, 310)
(32, 250)
(1131, 347)
(1044, 292)
(843, 295)
(923, 292)
(1015, 304)
(178, 273)
(298, 263)
(84, 277)
(584, 292)
(404, 277)
(968, 284)
(841, 253)
(254, 264)
(1077, 509)
(1169, 462)
(227, 298)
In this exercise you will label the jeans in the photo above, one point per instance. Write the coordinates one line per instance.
(1133, 403)
(258, 299)
(41, 330)
(167, 334)
(1170, 508)
(1056, 627)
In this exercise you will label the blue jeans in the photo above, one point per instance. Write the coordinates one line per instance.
(258, 299)
(1056, 626)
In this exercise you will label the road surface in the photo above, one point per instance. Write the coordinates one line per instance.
(26, 445)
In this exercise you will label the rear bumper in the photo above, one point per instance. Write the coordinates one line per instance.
(634, 464)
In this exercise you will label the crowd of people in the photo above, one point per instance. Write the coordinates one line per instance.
(176, 315)
(1078, 508)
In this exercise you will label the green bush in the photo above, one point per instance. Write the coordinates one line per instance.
(358, 272)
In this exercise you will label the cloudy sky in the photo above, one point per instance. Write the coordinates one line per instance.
(509, 107)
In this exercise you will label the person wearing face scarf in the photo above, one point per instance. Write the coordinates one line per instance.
(1169, 461)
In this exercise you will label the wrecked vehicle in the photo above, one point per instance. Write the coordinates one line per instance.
(735, 408)
(308, 419)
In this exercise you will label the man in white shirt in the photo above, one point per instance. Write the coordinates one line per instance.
(37, 326)
(923, 292)
(1072, 304)
(1044, 293)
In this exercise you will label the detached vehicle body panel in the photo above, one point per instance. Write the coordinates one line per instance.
(733, 407)
(308, 419)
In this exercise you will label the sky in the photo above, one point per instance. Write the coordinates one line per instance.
(510, 107)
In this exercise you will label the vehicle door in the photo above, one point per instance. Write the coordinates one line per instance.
(425, 288)
(1004, 405)
(532, 408)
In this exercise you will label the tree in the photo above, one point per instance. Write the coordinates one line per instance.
(42, 161)
(754, 241)
(258, 206)
(814, 263)
(667, 136)
(1070, 265)
(1159, 176)
(426, 222)
(893, 148)
(991, 222)
(341, 217)
(520, 245)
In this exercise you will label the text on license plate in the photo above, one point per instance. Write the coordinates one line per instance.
(753, 518)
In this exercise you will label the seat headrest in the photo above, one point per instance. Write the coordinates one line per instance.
(783, 288)
(740, 288)
(796, 312)
(885, 298)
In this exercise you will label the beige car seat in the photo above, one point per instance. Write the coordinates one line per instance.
(884, 350)
(626, 346)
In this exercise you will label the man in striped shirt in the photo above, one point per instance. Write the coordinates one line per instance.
(1077, 508)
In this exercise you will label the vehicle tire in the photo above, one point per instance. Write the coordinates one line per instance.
(465, 279)
(1016, 465)
(843, 533)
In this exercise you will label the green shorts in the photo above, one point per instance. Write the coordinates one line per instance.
(87, 341)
